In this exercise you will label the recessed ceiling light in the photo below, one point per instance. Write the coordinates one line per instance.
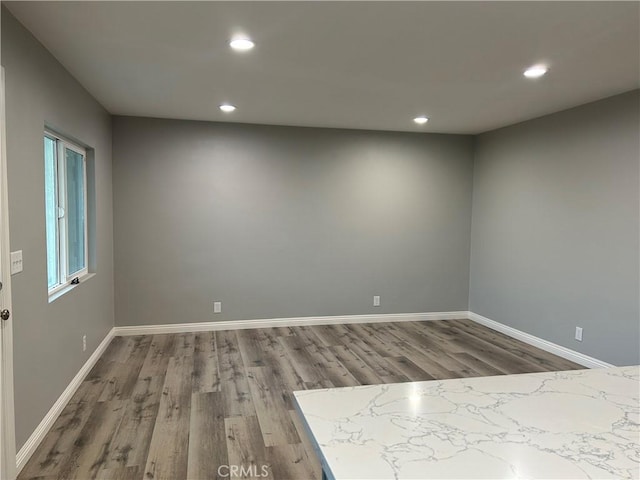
(225, 107)
(536, 71)
(421, 120)
(242, 44)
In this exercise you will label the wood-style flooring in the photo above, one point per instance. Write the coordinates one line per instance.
(185, 406)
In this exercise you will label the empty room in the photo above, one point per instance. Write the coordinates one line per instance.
(319, 240)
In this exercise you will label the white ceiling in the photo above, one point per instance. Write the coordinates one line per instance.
(370, 65)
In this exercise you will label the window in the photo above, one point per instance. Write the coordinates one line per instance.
(65, 177)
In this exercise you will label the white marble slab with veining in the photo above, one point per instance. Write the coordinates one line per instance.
(563, 425)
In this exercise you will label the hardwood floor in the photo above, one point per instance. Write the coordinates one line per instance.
(180, 406)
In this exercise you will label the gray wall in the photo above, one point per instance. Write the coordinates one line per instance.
(555, 228)
(286, 222)
(48, 336)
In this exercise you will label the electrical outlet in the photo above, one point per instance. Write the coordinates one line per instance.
(16, 262)
(84, 343)
(217, 307)
(579, 334)
(376, 300)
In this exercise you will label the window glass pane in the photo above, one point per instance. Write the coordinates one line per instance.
(75, 211)
(51, 211)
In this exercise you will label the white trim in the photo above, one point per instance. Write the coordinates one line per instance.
(67, 287)
(542, 344)
(65, 277)
(47, 422)
(7, 411)
(286, 322)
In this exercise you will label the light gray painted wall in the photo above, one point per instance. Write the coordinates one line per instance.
(47, 336)
(285, 222)
(555, 228)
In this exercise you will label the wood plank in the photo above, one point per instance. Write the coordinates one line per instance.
(184, 345)
(477, 365)
(236, 395)
(285, 378)
(167, 457)
(123, 380)
(421, 357)
(132, 440)
(360, 370)
(528, 352)
(376, 362)
(350, 337)
(117, 348)
(283, 331)
(157, 359)
(303, 433)
(329, 335)
(304, 363)
(325, 360)
(122, 473)
(271, 410)
(488, 353)
(132, 348)
(373, 336)
(269, 344)
(250, 349)
(336, 374)
(47, 477)
(101, 372)
(433, 344)
(409, 369)
(206, 372)
(207, 442)
(58, 443)
(92, 448)
(428, 335)
(245, 447)
(293, 462)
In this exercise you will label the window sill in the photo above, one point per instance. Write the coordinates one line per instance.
(67, 288)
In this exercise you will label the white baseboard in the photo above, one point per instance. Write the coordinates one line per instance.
(542, 344)
(559, 350)
(47, 422)
(285, 322)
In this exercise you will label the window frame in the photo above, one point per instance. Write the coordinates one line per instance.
(62, 246)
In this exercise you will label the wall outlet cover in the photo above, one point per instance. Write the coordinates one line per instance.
(16, 262)
(217, 307)
(376, 300)
(579, 334)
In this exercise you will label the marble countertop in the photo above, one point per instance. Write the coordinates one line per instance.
(575, 424)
